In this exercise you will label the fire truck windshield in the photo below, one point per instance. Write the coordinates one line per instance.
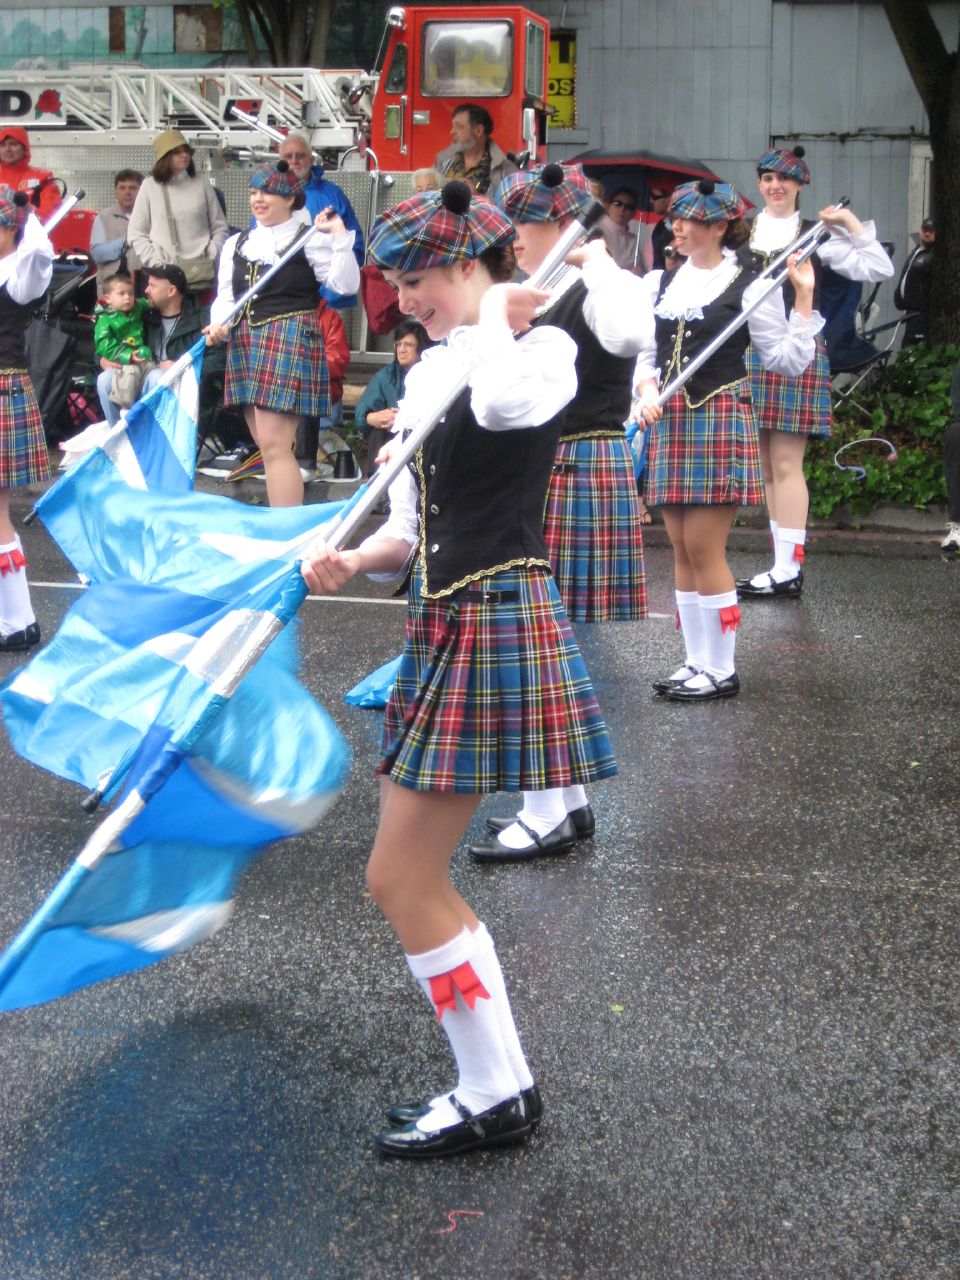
(467, 59)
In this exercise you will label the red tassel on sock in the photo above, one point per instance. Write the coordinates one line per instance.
(729, 618)
(798, 553)
(444, 988)
(11, 562)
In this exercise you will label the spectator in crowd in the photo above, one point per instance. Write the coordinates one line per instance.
(377, 407)
(176, 217)
(322, 194)
(950, 546)
(662, 233)
(17, 173)
(119, 337)
(426, 180)
(108, 238)
(620, 240)
(913, 288)
(473, 155)
(172, 325)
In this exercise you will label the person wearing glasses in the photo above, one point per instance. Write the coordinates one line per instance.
(621, 242)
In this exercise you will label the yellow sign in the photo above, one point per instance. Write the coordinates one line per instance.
(562, 79)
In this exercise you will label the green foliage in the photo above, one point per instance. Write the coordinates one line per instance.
(909, 405)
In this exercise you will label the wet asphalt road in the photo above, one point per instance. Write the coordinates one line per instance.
(740, 999)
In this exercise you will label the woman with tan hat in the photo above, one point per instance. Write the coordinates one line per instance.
(177, 217)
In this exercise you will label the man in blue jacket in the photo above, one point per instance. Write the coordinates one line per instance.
(321, 194)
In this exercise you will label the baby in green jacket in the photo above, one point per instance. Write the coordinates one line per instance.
(119, 336)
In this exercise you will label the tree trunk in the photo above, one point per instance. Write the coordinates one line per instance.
(316, 54)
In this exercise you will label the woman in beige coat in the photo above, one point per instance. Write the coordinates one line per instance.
(199, 224)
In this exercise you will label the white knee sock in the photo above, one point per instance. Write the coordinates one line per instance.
(467, 1012)
(790, 543)
(574, 798)
(16, 611)
(721, 617)
(487, 968)
(542, 812)
(691, 627)
(760, 579)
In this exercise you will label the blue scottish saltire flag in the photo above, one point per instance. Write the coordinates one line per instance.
(374, 690)
(139, 691)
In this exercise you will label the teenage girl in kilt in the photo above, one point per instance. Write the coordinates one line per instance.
(790, 410)
(702, 450)
(26, 267)
(276, 367)
(592, 520)
(492, 693)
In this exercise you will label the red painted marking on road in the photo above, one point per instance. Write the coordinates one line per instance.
(470, 1213)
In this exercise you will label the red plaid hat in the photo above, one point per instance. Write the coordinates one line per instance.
(14, 208)
(544, 195)
(436, 228)
(276, 180)
(789, 164)
(707, 201)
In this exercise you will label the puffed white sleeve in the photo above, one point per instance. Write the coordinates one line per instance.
(618, 307)
(646, 367)
(223, 302)
(333, 261)
(784, 345)
(856, 257)
(521, 382)
(33, 263)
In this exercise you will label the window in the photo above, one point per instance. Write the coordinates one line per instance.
(467, 59)
(396, 81)
(533, 80)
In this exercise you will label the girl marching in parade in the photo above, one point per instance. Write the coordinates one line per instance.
(492, 692)
(592, 521)
(791, 409)
(702, 450)
(276, 367)
(26, 267)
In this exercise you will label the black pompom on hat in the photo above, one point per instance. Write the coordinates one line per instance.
(455, 197)
(552, 175)
(706, 187)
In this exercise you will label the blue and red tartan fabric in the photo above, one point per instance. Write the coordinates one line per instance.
(706, 456)
(706, 201)
(424, 232)
(23, 446)
(789, 164)
(800, 406)
(524, 196)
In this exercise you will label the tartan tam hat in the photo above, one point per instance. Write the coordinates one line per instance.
(436, 228)
(707, 201)
(789, 164)
(276, 179)
(545, 194)
(14, 208)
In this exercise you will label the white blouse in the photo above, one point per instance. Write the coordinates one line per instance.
(515, 383)
(785, 346)
(618, 307)
(856, 257)
(331, 258)
(28, 270)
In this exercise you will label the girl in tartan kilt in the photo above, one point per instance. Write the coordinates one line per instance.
(592, 520)
(702, 450)
(492, 692)
(26, 267)
(276, 367)
(791, 409)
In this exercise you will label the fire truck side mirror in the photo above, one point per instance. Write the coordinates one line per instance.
(397, 17)
(528, 130)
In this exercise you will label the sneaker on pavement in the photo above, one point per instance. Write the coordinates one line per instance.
(221, 466)
(951, 542)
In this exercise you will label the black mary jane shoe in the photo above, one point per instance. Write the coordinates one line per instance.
(556, 841)
(583, 820)
(672, 682)
(772, 589)
(728, 687)
(17, 641)
(505, 1123)
(401, 1115)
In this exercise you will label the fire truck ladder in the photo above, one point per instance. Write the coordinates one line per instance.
(134, 104)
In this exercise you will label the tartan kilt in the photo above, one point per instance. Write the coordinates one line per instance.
(23, 446)
(493, 696)
(800, 406)
(592, 528)
(706, 456)
(280, 365)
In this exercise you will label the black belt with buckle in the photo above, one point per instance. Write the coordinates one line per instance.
(564, 468)
(484, 595)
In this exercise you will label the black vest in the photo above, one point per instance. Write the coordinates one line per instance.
(15, 320)
(754, 260)
(481, 498)
(292, 290)
(679, 341)
(604, 381)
